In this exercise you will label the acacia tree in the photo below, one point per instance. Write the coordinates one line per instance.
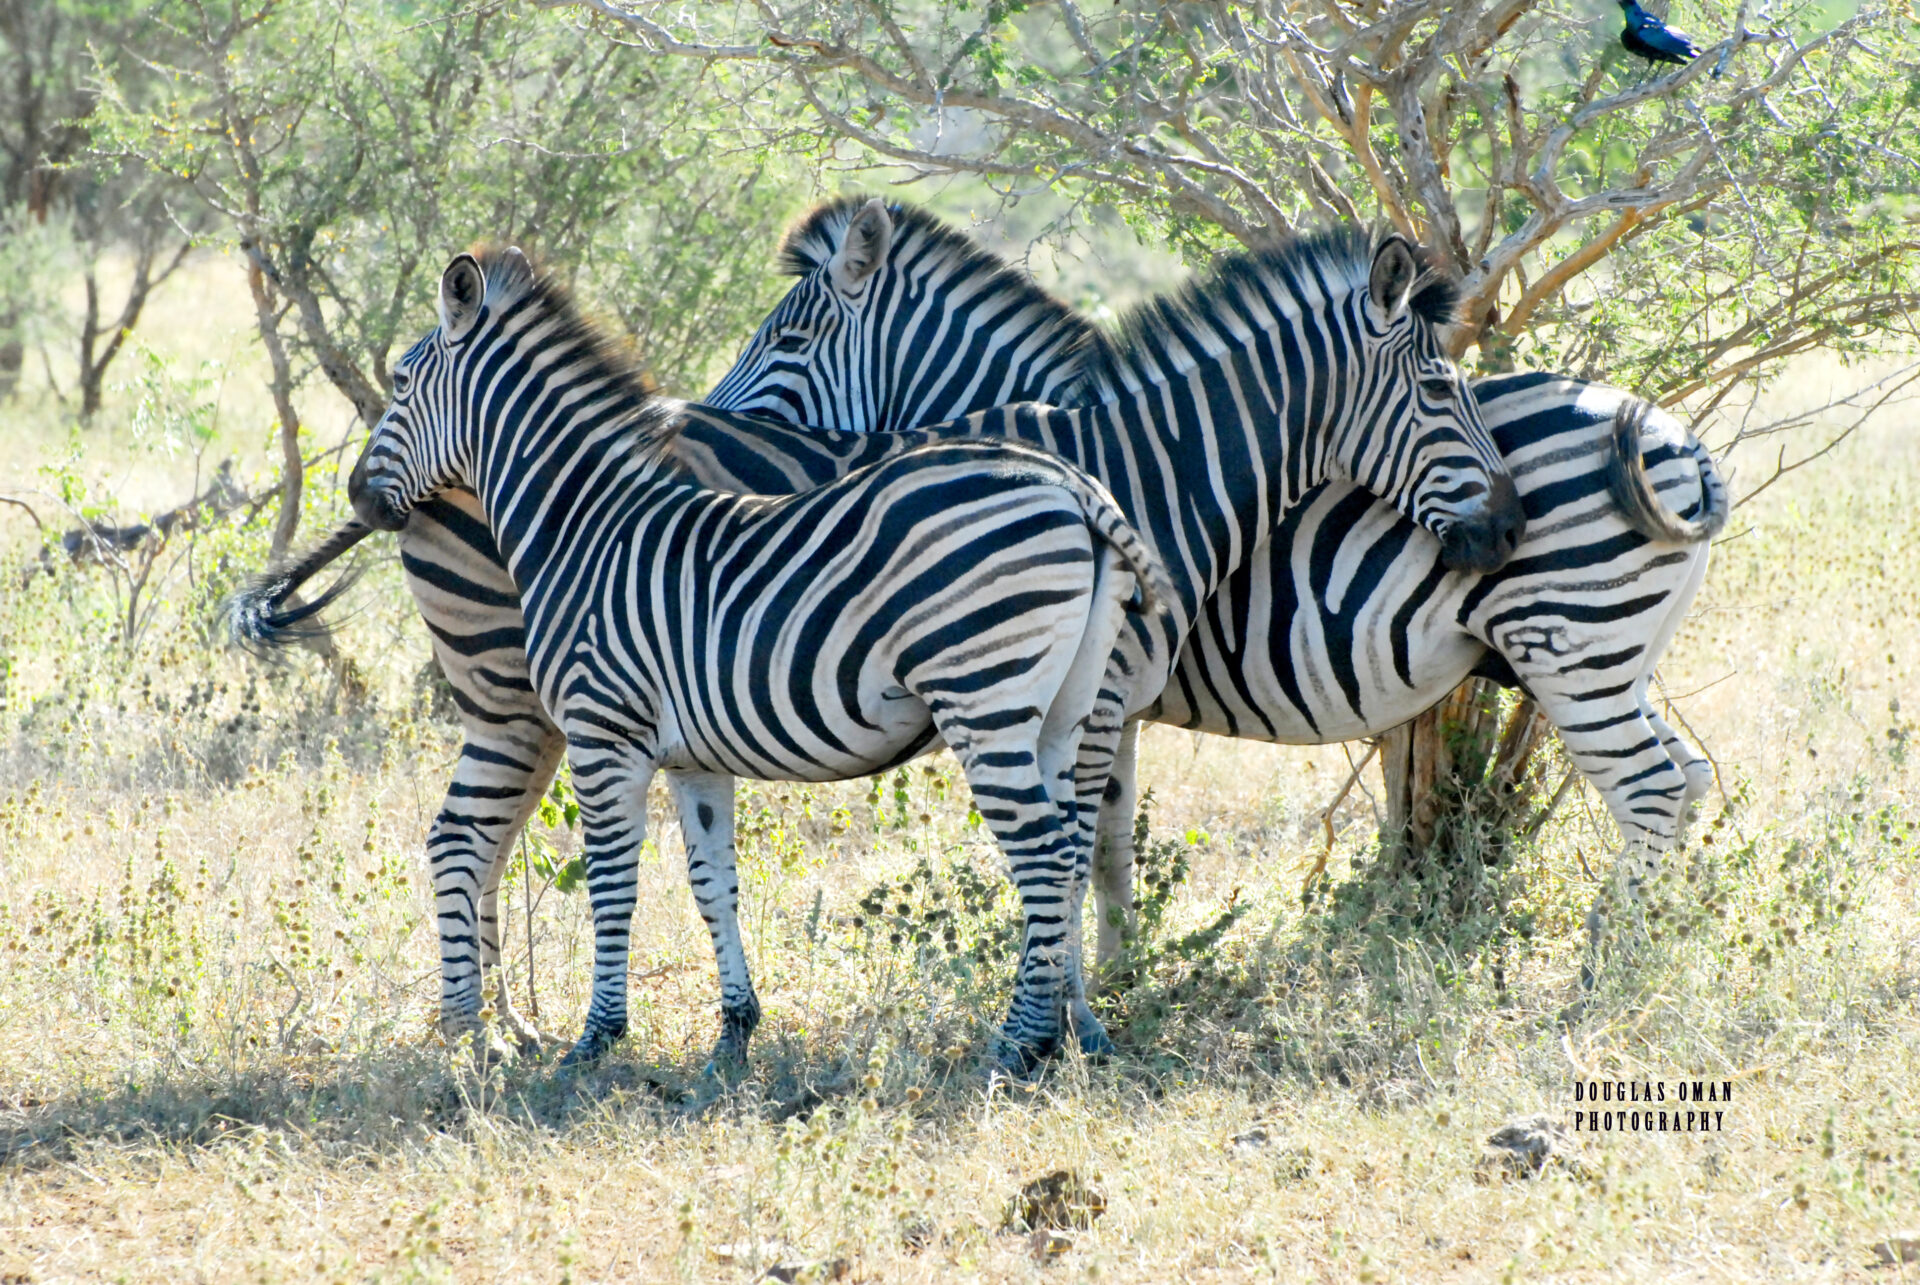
(1681, 234)
(346, 150)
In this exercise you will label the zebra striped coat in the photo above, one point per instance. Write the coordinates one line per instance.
(973, 588)
(1199, 354)
(1342, 623)
(1341, 579)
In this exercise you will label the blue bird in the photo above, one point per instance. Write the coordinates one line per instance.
(1648, 37)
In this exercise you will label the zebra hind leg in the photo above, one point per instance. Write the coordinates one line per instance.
(1611, 741)
(1080, 741)
(1698, 768)
(495, 787)
(704, 801)
(1002, 765)
(495, 983)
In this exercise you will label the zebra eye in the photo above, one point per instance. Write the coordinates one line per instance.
(400, 381)
(792, 341)
(1438, 389)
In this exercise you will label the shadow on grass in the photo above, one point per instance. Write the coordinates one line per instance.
(1345, 988)
(399, 1097)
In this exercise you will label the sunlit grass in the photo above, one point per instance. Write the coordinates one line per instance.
(220, 981)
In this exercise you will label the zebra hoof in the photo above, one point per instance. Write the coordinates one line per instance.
(1019, 1059)
(1095, 1044)
(591, 1047)
(728, 1065)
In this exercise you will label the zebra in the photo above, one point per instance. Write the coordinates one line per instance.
(1609, 577)
(1332, 281)
(973, 588)
(1346, 623)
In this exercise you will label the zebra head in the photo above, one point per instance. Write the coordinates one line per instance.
(1414, 435)
(898, 321)
(423, 443)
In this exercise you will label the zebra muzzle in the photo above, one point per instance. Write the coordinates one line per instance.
(1483, 542)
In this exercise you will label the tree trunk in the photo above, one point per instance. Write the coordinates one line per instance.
(1457, 778)
(292, 468)
(13, 356)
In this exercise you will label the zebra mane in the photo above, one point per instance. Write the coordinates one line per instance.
(597, 353)
(920, 233)
(1208, 312)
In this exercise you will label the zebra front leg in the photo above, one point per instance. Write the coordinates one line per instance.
(495, 788)
(610, 781)
(704, 801)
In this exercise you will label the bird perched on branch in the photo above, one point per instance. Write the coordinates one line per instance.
(1648, 37)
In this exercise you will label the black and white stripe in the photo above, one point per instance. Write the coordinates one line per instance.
(973, 589)
(1202, 474)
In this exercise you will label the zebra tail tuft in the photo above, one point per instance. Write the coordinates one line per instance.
(1635, 495)
(258, 617)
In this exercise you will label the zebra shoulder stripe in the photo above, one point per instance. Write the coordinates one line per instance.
(1634, 493)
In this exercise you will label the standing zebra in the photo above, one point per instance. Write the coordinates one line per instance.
(1343, 622)
(1192, 420)
(973, 588)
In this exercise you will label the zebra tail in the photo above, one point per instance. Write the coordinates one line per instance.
(1111, 525)
(1634, 493)
(258, 618)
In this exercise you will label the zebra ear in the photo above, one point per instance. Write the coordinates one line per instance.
(462, 287)
(869, 236)
(1390, 283)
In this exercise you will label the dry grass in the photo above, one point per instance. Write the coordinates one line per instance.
(220, 979)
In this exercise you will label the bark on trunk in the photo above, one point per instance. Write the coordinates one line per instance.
(292, 468)
(1458, 778)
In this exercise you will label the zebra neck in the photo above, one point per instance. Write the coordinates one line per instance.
(1203, 468)
(548, 481)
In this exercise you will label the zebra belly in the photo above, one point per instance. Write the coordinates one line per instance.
(896, 730)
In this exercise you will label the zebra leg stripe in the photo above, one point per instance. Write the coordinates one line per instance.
(1698, 770)
(610, 781)
(704, 801)
(1010, 792)
(494, 790)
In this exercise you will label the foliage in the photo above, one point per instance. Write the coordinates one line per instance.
(1678, 232)
(351, 148)
(50, 181)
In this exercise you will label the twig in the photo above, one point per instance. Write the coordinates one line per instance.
(22, 504)
(526, 880)
(1326, 816)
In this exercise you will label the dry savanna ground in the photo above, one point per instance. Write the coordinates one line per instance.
(217, 1058)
